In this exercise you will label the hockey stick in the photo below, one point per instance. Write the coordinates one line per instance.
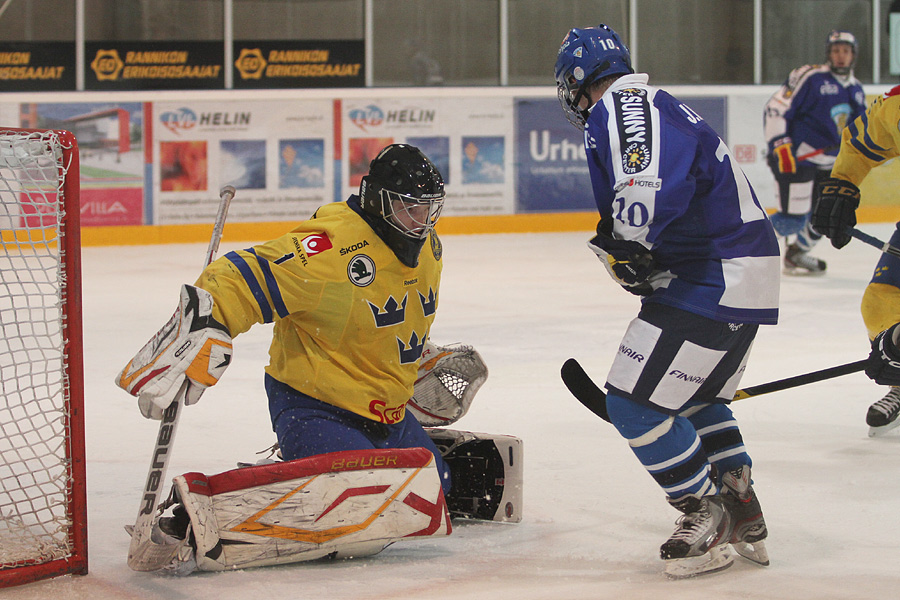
(593, 398)
(815, 153)
(873, 241)
(143, 553)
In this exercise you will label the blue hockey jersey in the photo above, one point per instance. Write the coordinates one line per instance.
(812, 107)
(671, 184)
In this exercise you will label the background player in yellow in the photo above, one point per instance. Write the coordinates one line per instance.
(866, 143)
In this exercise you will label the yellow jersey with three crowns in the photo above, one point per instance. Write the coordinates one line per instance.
(350, 319)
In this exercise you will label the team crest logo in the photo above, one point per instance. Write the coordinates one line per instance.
(437, 248)
(361, 270)
(636, 158)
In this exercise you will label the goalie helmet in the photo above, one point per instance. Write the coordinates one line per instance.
(585, 56)
(841, 37)
(405, 189)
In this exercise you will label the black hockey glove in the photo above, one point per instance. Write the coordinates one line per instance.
(883, 364)
(834, 213)
(629, 263)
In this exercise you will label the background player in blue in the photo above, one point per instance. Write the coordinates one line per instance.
(803, 121)
(680, 226)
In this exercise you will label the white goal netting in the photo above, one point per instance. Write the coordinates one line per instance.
(37, 464)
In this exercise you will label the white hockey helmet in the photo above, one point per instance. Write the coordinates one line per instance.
(839, 36)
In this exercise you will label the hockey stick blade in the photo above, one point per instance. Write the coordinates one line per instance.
(580, 384)
(875, 242)
(143, 553)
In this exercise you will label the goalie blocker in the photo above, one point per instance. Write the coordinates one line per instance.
(337, 505)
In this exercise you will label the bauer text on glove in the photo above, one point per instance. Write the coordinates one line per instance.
(834, 213)
(192, 351)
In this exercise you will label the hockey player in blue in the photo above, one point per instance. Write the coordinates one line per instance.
(681, 226)
(803, 122)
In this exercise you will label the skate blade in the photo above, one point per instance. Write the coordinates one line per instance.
(879, 431)
(717, 559)
(801, 272)
(755, 552)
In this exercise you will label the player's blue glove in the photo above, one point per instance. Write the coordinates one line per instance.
(628, 262)
(883, 364)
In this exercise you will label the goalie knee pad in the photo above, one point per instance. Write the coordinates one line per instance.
(486, 471)
(341, 504)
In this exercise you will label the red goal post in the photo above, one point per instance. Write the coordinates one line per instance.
(43, 512)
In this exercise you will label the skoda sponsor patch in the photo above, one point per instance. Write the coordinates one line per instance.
(361, 270)
(633, 119)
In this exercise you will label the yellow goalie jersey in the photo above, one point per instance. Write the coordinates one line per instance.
(351, 320)
(866, 143)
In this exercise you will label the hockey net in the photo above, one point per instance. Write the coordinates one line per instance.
(43, 528)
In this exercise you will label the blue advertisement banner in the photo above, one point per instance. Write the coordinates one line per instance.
(552, 173)
(713, 109)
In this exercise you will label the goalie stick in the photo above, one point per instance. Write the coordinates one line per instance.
(143, 553)
(874, 241)
(580, 384)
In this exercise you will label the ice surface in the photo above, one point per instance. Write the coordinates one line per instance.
(593, 519)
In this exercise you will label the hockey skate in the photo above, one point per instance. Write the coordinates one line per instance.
(882, 416)
(799, 262)
(699, 544)
(749, 527)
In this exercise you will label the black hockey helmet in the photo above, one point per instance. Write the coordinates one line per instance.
(405, 189)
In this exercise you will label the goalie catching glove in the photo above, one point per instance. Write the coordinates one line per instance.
(629, 263)
(191, 351)
(448, 378)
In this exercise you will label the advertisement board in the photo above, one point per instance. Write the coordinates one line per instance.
(169, 65)
(468, 139)
(276, 154)
(37, 66)
(299, 64)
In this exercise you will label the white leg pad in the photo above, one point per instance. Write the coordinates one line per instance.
(340, 504)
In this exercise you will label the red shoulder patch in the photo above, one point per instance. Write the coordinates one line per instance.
(892, 92)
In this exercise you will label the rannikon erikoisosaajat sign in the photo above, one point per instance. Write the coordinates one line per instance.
(154, 65)
(37, 66)
(302, 64)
